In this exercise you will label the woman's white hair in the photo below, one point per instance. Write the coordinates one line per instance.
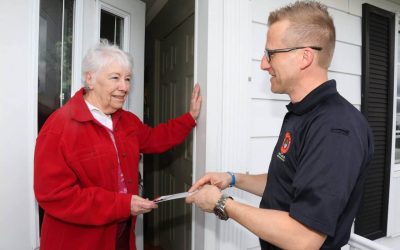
(103, 54)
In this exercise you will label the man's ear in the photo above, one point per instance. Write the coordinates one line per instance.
(308, 58)
(89, 80)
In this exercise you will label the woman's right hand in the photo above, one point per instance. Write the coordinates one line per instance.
(220, 180)
(140, 205)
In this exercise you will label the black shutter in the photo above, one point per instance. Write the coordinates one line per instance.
(378, 30)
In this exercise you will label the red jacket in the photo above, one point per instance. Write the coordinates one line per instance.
(75, 175)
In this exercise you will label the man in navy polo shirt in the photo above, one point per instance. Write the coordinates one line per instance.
(313, 189)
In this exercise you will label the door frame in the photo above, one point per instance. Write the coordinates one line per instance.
(219, 33)
(33, 107)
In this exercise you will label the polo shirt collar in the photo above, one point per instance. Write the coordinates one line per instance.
(315, 97)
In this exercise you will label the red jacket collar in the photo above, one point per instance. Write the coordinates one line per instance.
(80, 111)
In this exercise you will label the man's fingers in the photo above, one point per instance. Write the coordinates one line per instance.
(201, 182)
(189, 199)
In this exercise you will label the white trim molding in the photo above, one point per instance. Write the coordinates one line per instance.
(222, 67)
(33, 116)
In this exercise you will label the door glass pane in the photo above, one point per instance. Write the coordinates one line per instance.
(397, 149)
(398, 79)
(397, 138)
(55, 56)
(111, 27)
(66, 48)
(398, 47)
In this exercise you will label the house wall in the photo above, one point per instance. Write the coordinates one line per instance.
(246, 116)
(19, 22)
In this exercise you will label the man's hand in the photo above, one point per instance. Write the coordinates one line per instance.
(195, 102)
(205, 198)
(141, 206)
(220, 180)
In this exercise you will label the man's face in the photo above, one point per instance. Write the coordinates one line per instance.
(110, 87)
(281, 66)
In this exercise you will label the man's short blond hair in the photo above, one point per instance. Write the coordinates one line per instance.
(310, 25)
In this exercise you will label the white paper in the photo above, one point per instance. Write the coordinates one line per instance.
(172, 197)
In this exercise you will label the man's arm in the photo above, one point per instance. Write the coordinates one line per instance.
(254, 184)
(274, 226)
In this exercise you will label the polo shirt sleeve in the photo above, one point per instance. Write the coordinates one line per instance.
(328, 169)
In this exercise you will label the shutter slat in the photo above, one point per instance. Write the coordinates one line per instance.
(376, 105)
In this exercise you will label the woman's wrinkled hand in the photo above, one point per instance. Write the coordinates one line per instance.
(140, 205)
(195, 102)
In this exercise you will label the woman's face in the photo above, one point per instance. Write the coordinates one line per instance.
(109, 87)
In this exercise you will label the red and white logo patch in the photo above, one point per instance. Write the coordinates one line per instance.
(286, 143)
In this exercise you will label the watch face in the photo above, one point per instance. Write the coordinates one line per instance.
(220, 212)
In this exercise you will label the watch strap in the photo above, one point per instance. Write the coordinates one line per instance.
(219, 209)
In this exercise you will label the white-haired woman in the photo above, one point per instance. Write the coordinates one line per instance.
(87, 154)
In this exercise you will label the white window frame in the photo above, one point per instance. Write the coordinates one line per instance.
(393, 226)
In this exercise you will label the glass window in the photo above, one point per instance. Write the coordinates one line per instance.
(397, 137)
(398, 46)
(397, 143)
(111, 27)
(398, 80)
(55, 56)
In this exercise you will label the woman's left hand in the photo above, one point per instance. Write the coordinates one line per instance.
(195, 102)
(141, 206)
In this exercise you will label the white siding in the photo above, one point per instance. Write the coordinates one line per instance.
(266, 117)
(19, 21)
(266, 110)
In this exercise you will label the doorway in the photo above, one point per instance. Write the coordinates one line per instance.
(169, 67)
(67, 29)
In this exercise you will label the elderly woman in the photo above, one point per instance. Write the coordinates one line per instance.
(87, 154)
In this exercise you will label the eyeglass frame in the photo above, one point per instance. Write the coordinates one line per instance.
(268, 53)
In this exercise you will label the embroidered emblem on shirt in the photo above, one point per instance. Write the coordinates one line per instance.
(287, 140)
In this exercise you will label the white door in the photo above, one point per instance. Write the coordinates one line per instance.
(122, 22)
(175, 166)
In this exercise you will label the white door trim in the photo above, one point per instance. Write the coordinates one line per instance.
(33, 57)
(77, 50)
(222, 67)
(208, 65)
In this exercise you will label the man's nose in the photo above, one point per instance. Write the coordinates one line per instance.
(264, 65)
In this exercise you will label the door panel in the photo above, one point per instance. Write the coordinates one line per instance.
(175, 166)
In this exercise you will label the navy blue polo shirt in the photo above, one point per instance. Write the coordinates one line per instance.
(319, 163)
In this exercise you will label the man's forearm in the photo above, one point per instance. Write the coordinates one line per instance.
(254, 184)
(274, 226)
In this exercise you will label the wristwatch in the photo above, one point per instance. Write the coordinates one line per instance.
(219, 209)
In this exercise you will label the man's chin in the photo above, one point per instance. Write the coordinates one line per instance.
(276, 91)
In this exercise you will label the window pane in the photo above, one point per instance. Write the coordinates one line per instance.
(397, 149)
(398, 47)
(55, 55)
(49, 61)
(67, 50)
(398, 78)
(111, 28)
